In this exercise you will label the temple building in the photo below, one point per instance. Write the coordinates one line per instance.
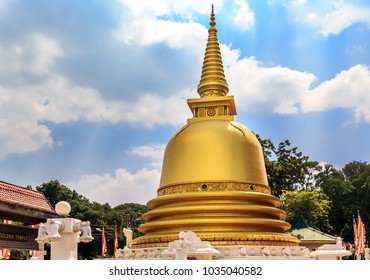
(26, 207)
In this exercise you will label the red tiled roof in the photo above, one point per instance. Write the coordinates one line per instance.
(25, 198)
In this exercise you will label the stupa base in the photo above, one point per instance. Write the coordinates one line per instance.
(247, 252)
(219, 239)
(215, 246)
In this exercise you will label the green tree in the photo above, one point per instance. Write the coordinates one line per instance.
(358, 174)
(18, 255)
(348, 189)
(339, 191)
(55, 192)
(287, 168)
(313, 205)
(131, 214)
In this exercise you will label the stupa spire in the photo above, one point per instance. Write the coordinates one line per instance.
(212, 81)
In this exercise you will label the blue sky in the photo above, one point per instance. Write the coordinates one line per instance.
(91, 91)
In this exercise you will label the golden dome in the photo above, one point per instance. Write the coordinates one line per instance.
(213, 151)
(214, 180)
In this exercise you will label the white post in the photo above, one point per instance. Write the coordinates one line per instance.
(182, 247)
(128, 234)
(65, 248)
(63, 234)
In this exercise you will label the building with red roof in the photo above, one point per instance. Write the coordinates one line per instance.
(24, 205)
(27, 206)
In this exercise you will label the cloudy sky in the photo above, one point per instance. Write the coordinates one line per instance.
(91, 90)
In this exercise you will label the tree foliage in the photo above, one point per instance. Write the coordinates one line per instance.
(313, 205)
(287, 168)
(339, 193)
(349, 190)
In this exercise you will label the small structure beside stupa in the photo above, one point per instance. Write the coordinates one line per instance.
(214, 184)
(331, 251)
(189, 245)
(310, 237)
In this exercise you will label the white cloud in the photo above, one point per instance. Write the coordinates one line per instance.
(329, 17)
(229, 56)
(54, 100)
(154, 151)
(341, 18)
(144, 27)
(175, 34)
(20, 116)
(122, 187)
(17, 137)
(149, 110)
(283, 90)
(57, 101)
(33, 92)
(242, 16)
(349, 90)
(31, 57)
(269, 89)
(64, 102)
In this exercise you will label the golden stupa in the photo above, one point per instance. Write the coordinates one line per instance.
(214, 180)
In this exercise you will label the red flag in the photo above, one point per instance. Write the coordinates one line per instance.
(115, 241)
(6, 254)
(360, 248)
(103, 244)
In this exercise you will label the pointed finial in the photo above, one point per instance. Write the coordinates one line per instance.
(212, 80)
(213, 23)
